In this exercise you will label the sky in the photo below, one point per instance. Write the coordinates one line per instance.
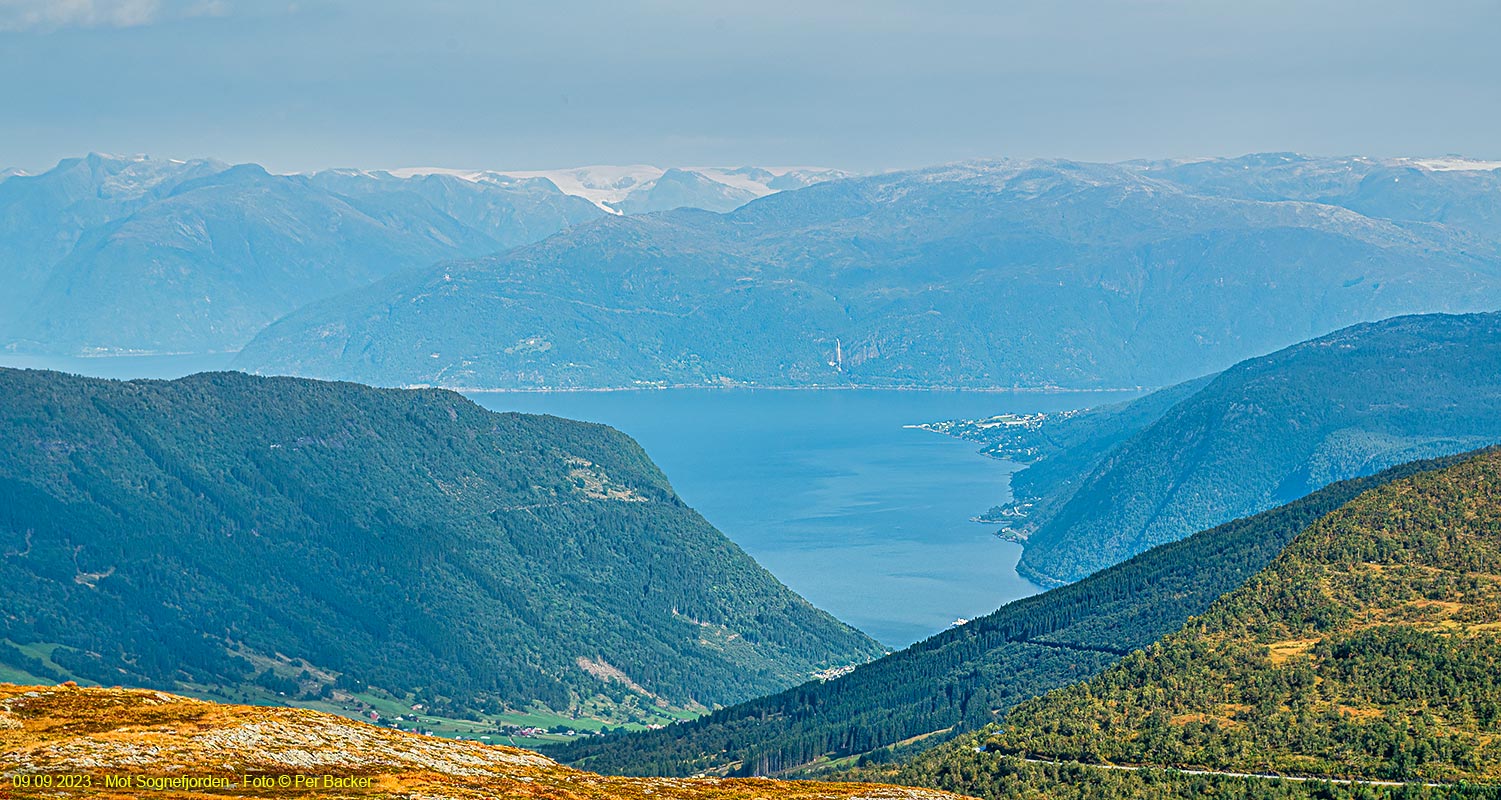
(864, 86)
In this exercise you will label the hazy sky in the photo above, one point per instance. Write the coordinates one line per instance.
(862, 85)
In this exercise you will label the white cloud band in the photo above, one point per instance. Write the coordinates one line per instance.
(28, 15)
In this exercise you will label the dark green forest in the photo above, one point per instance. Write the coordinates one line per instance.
(203, 531)
(996, 776)
(959, 680)
(1368, 649)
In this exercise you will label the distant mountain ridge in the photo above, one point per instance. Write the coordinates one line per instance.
(987, 274)
(107, 254)
(642, 188)
(228, 533)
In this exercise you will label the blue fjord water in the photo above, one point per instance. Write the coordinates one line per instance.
(866, 518)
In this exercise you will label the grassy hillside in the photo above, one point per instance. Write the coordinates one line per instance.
(1369, 649)
(343, 544)
(959, 680)
(1274, 428)
(71, 742)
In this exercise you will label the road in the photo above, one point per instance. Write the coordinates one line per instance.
(1263, 775)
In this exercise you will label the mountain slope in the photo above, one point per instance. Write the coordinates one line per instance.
(1455, 192)
(986, 274)
(1273, 428)
(959, 680)
(1368, 649)
(228, 532)
(144, 741)
(677, 188)
(108, 254)
(43, 216)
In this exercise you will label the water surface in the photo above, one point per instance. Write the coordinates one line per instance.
(123, 367)
(867, 519)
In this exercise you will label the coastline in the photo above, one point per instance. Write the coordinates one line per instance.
(809, 388)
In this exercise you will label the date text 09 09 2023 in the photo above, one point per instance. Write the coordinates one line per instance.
(302, 782)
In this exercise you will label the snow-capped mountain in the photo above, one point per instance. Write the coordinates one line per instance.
(643, 188)
(130, 254)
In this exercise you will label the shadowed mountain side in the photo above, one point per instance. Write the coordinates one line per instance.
(1276, 427)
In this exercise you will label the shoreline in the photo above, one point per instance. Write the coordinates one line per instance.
(118, 357)
(812, 388)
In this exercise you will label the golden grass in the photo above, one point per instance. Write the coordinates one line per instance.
(50, 733)
(1284, 651)
(1184, 719)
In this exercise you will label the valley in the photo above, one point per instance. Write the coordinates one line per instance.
(831, 490)
(144, 533)
(866, 518)
(940, 690)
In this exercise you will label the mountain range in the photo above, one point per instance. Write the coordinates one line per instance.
(641, 188)
(284, 539)
(1285, 563)
(110, 255)
(987, 274)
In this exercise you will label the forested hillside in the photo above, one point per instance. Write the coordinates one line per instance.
(1000, 777)
(1273, 428)
(225, 530)
(1368, 649)
(960, 679)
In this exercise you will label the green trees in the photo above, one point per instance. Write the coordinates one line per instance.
(959, 680)
(1369, 649)
(201, 531)
(1000, 777)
